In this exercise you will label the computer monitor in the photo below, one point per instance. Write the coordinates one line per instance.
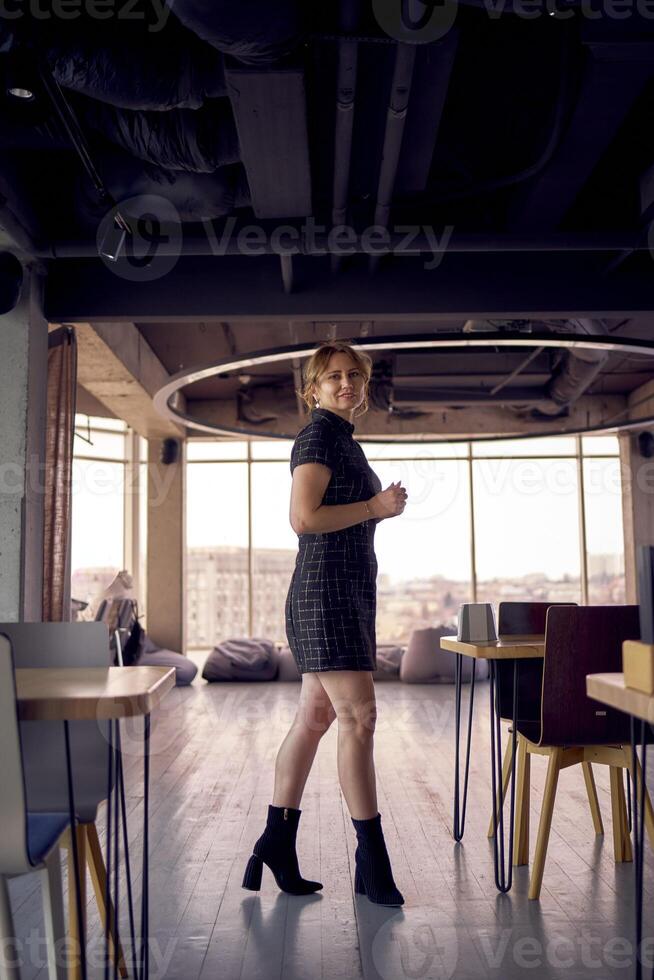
(645, 568)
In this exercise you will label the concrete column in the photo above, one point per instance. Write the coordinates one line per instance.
(23, 385)
(637, 505)
(166, 565)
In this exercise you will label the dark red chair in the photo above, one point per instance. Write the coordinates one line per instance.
(573, 728)
(521, 619)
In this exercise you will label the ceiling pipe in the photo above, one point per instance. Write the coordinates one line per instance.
(405, 58)
(78, 141)
(319, 243)
(346, 85)
(345, 100)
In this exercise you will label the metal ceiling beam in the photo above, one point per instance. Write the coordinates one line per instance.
(311, 238)
(520, 285)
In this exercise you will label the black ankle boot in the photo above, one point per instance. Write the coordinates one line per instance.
(373, 876)
(276, 848)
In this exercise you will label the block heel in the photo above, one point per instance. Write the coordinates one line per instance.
(253, 872)
(276, 849)
(373, 875)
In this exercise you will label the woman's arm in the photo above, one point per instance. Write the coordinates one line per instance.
(308, 515)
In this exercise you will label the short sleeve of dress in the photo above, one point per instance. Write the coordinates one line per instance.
(315, 444)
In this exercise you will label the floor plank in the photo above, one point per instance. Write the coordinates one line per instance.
(212, 775)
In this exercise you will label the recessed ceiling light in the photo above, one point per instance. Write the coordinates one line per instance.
(21, 93)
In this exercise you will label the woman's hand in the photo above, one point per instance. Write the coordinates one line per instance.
(390, 502)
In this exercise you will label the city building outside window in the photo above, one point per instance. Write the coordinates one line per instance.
(529, 518)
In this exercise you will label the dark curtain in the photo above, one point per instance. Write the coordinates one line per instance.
(60, 431)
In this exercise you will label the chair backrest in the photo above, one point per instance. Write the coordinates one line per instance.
(581, 640)
(117, 614)
(522, 619)
(44, 759)
(13, 818)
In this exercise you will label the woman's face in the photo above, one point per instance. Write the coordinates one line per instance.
(342, 386)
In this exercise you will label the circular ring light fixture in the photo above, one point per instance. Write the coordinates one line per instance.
(167, 401)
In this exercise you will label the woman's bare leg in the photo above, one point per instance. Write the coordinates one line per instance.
(297, 752)
(352, 693)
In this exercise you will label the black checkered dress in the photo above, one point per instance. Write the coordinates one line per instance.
(331, 601)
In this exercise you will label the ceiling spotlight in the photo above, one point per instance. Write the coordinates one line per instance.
(113, 241)
(21, 93)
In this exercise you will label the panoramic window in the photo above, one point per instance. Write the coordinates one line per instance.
(485, 522)
(218, 573)
(98, 504)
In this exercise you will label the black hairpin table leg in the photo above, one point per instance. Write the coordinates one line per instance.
(107, 888)
(128, 872)
(460, 808)
(76, 864)
(144, 958)
(638, 821)
(116, 929)
(503, 862)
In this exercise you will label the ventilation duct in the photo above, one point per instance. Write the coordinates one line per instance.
(196, 140)
(195, 196)
(165, 70)
(578, 371)
(256, 32)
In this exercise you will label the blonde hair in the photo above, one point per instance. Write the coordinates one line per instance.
(317, 364)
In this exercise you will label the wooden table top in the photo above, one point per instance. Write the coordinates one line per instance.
(504, 648)
(610, 689)
(90, 693)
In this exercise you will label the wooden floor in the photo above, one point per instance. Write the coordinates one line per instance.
(212, 765)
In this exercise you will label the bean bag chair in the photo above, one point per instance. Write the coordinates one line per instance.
(242, 659)
(287, 667)
(389, 657)
(426, 663)
(154, 656)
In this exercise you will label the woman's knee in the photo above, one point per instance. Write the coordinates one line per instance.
(358, 719)
(315, 717)
(356, 714)
(315, 712)
(352, 696)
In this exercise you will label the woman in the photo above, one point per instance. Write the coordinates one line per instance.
(336, 502)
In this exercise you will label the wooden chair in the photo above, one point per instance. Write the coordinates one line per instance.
(28, 842)
(526, 619)
(69, 645)
(574, 729)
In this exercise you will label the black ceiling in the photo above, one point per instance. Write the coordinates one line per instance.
(521, 133)
(512, 124)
